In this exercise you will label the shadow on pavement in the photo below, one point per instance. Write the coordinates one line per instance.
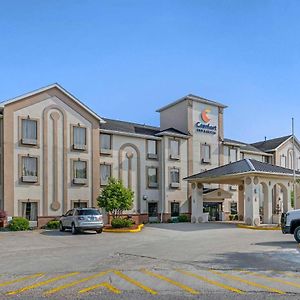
(66, 233)
(282, 244)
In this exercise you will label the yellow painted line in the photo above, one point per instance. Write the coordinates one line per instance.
(103, 284)
(297, 285)
(135, 282)
(124, 230)
(213, 282)
(21, 279)
(171, 281)
(258, 227)
(251, 283)
(33, 286)
(65, 286)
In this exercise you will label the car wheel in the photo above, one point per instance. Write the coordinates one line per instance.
(297, 234)
(61, 227)
(73, 229)
(99, 230)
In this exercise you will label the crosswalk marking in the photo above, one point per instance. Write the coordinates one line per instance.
(103, 284)
(62, 287)
(272, 279)
(135, 282)
(33, 286)
(213, 282)
(251, 283)
(171, 281)
(21, 279)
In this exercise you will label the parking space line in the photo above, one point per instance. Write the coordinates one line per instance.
(251, 283)
(21, 279)
(103, 284)
(33, 286)
(171, 281)
(213, 282)
(297, 285)
(65, 286)
(135, 282)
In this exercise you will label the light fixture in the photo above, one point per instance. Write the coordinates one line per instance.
(145, 197)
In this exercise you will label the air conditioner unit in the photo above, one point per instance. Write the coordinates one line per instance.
(29, 179)
(233, 188)
(174, 156)
(79, 147)
(80, 181)
(206, 160)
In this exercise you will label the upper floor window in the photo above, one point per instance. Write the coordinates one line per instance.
(174, 178)
(205, 153)
(283, 161)
(80, 172)
(29, 169)
(152, 149)
(232, 155)
(79, 138)
(174, 149)
(105, 173)
(152, 177)
(105, 143)
(29, 132)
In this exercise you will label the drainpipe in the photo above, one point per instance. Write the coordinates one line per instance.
(162, 176)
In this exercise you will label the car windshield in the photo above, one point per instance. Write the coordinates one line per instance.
(88, 212)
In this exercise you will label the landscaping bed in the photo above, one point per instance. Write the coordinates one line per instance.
(133, 228)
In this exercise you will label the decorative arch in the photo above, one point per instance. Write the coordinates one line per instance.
(138, 186)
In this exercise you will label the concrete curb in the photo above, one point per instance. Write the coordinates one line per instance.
(258, 227)
(140, 227)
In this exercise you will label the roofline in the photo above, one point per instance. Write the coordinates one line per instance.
(194, 98)
(167, 133)
(254, 152)
(43, 89)
(137, 135)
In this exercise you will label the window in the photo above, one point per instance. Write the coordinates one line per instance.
(79, 138)
(80, 204)
(152, 149)
(105, 174)
(205, 153)
(174, 178)
(232, 155)
(80, 172)
(29, 211)
(175, 209)
(105, 143)
(152, 210)
(283, 160)
(233, 208)
(152, 177)
(174, 149)
(29, 169)
(29, 132)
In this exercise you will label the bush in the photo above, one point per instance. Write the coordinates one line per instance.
(236, 217)
(183, 218)
(169, 221)
(52, 224)
(121, 223)
(231, 217)
(19, 224)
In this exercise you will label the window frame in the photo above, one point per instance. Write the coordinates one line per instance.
(78, 148)
(174, 185)
(105, 164)
(79, 181)
(152, 155)
(202, 152)
(236, 154)
(22, 141)
(26, 179)
(79, 201)
(171, 155)
(171, 204)
(152, 185)
(20, 206)
(105, 151)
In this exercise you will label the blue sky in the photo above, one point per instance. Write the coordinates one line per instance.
(125, 59)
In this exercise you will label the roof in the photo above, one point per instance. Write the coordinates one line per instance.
(244, 146)
(129, 127)
(48, 87)
(194, 98)
(272, 144)
(243, 166)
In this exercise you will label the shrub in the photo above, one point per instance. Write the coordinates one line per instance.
(121, 223)
(52, 224)
(183, 218)
(236, 217)
(19, 224)
(170, 221)
(231, 217)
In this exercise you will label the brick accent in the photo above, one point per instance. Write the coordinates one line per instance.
(42, 221)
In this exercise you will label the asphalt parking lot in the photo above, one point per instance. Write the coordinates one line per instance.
(164, 261)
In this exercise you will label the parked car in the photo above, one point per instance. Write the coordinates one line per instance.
(290, 223)
(81, 219)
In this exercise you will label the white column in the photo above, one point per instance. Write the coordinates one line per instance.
(197, 203)
(241, 203)
(251, 201)
(268, 202)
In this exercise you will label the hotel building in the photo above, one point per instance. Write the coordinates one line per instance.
(57, 154)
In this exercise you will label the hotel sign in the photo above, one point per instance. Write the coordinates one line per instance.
(205, 126)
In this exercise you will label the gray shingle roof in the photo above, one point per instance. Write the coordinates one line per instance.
(243, 166)
(129, 127)
(244, 146)
(272, 144)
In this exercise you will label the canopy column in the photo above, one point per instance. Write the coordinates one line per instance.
(251, 201)
(197, 203)
(268, 202)
(241, 203)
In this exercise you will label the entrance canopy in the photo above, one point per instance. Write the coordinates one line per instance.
(255, 180)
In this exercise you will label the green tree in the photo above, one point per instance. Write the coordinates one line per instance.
(115, 198)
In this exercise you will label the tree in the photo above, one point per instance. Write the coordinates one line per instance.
(115, 198)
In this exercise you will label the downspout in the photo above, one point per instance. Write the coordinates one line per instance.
(162, 176)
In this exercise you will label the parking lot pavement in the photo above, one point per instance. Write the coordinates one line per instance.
(164, 261)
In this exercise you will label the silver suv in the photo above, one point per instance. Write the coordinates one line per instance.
(80, 219)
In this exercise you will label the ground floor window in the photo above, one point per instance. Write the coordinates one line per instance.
(175, 209)
(29, 211)
(79, 204)
(233, 208)
(152, 210)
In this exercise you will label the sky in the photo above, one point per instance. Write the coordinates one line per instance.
(127, 58)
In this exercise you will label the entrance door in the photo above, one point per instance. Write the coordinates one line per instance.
(214, 211)
(152, 211)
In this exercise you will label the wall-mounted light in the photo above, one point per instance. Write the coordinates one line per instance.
(145, 197)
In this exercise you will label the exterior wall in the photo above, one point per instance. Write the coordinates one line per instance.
(1, 166)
